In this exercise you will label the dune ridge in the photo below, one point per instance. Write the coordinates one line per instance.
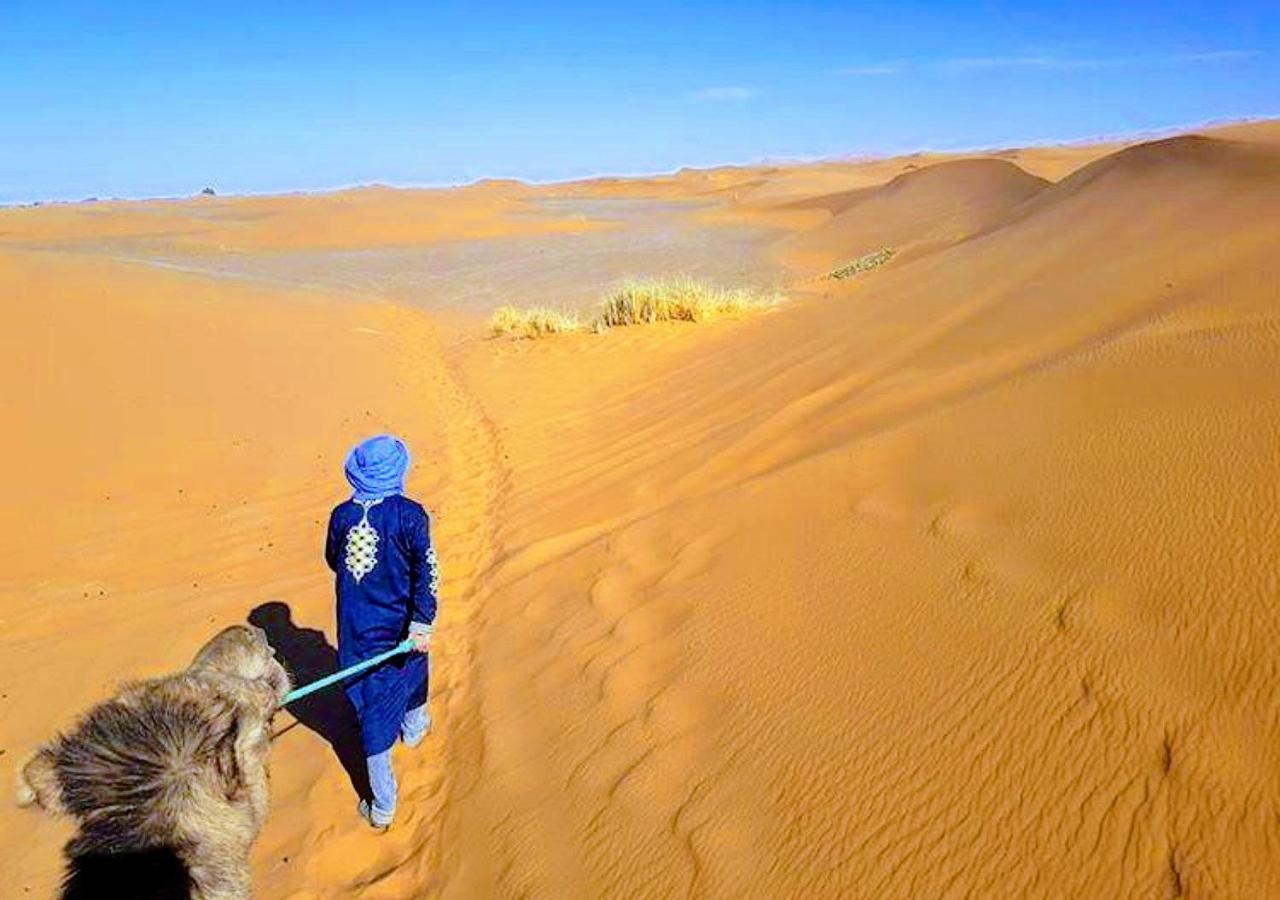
(917, 211)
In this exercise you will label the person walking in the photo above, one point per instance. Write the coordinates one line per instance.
(386, 578)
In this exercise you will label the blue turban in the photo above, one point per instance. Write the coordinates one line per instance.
(376, 467)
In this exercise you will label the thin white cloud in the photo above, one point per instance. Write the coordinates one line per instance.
(872, 70)
(1066, 63)
(1215, 56)
(1045, 62)
(732, 94)
(974, 63)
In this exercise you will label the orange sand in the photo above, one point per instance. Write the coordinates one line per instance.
(359, 218)
(956, 578)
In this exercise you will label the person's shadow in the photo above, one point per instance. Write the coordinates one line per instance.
(308, 656)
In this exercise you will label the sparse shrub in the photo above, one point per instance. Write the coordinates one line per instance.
(862, 264)
(674, 299)
(537, 321)
(635, 303)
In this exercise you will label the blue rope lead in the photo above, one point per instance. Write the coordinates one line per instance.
(307, 689)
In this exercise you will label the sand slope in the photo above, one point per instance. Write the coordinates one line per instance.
(954, 582)
(954, 579)
(182, 440)
(916, 212)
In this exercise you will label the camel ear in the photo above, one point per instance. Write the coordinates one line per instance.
(240, 752)
(38, 782)
(230, 774)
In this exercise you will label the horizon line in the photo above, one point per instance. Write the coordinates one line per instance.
(852, 156)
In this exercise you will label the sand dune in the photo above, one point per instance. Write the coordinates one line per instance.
(957, 578)
(918, 211)
(953, 582)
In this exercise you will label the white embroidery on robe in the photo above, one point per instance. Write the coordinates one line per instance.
(435, 571)
(362, 544)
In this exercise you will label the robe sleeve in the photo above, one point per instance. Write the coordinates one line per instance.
(424, 575)
(331, 548)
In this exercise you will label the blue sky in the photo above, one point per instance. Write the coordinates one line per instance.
(151, 99)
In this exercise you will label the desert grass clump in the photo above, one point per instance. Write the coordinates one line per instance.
(674, 300)
(862, 264)
(537, 321)
(635, 303)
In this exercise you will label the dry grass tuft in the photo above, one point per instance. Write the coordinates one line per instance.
(675, 300)
(535, 322)
(635, 303)
(862, 264)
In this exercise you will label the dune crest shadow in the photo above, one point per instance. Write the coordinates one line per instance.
(308, 655)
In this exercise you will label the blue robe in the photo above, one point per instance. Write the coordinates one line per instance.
(396, 586)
